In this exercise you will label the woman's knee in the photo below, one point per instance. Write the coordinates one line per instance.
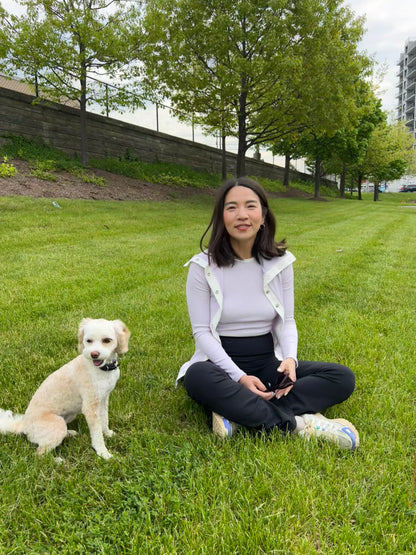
(345, 379)
(348, 380)
(197, 376)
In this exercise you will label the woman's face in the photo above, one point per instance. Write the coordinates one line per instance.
(242, 217)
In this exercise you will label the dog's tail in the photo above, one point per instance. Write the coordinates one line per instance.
(10, 423)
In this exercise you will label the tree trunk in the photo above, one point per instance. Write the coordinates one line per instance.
(286, 175)
(241, 161)
(242, 129)
(242, 146)
(351, 185)
(223, 158)
(83, 131)
(83, 118)
(342, 181)
(317, 177)
(375, 197)
(359, 185)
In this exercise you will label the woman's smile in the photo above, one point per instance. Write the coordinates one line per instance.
(243, 217)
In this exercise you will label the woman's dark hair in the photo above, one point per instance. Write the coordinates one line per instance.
(219, 245)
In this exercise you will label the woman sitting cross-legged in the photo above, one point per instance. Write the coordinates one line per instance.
(241, 307)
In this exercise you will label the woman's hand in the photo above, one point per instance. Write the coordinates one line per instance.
(288, 367)
(256, 386)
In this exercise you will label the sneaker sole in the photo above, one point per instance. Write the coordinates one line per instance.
(346, 423)
(219, 426)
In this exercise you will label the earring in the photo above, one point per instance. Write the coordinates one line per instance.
(262, 227)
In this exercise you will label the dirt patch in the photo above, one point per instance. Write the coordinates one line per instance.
(117, 187)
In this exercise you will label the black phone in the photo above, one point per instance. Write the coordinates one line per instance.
(283, 383)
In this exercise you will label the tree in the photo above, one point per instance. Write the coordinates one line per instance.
(344, 151)
(331, 152)
(289, 148)
(256, 70)
(63, 43)
(352, 144)
(389, 155)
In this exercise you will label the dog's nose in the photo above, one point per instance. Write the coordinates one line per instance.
(95, 354)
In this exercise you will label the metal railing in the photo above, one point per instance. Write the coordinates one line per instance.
(157, 116)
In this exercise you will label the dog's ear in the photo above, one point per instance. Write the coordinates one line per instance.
(123, 335)
(81, 327)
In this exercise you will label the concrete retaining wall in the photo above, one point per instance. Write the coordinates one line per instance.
(58, 125)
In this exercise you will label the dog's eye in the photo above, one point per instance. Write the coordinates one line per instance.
(88, 341)
(107, 340)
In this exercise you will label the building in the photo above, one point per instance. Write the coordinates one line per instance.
(406, 106)
(406, 110)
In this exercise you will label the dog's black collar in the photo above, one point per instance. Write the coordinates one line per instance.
(108, 366)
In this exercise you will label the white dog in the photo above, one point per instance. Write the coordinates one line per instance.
(81, 386)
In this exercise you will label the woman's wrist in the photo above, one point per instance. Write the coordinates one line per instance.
(289, 358)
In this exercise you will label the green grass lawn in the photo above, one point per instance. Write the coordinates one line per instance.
(171, 486)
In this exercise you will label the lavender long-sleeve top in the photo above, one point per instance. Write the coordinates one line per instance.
(205, 297)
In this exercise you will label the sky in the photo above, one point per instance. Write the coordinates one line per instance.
(389, 24)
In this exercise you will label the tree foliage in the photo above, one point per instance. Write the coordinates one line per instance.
(63, 43)
(389, 155)
(343, 152)
(255, 69)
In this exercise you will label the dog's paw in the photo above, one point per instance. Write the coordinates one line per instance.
(104, 455)
(71, 433)
(108, 433)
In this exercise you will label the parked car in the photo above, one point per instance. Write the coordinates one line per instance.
(408, 188)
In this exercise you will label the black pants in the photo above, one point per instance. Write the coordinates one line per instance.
(319, 385)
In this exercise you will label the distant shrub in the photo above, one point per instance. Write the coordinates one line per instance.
(158, 172)
(43, 168)
(88, 177)
(6, 169)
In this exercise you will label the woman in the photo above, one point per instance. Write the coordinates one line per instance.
(241, 304)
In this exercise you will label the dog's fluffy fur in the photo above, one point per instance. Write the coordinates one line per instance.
(78, 387)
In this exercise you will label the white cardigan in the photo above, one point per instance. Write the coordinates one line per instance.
(279, 290)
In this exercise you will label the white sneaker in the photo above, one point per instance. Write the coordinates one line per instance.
(337, 430)
(222, 427)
